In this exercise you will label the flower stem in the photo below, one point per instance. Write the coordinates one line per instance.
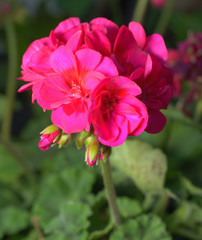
(139, 11)
(110, 191)
(11, 82)
(164, 17)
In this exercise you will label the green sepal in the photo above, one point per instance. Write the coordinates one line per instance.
(50, 129)
(65, 138)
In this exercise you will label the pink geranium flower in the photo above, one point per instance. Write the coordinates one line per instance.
(67, 91)
(36, 65)
(116, 112)
(142, 59)
(156, 92)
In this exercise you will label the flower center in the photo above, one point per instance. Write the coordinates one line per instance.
(108, 102)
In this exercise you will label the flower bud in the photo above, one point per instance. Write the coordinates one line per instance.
(89, 140)
(64, 139)
(92, 152)
(80, 138)
(50, 135)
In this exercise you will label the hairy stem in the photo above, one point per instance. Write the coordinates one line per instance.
(110, 191)
(140, 10)
(11, 81)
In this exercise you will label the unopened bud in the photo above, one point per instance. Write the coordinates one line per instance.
(48, 138)
(89, 140)
(92, 152)
(80, 138)
(65, 138)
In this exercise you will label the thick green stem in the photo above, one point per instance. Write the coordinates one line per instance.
(164, 17)
(139, 11)
(110, 191)
(11, 81)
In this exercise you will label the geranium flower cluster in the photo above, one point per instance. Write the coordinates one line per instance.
(186, 62)
(98, 78)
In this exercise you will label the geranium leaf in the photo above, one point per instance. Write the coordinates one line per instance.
(128, 207)
(72, 219)
(145, 227)
(146, 165)
(13, 220)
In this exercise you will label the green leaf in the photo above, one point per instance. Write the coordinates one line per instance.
(70, 184)
(13, 220)
(72, 218)
(128, 207)
(145, 227)
(147, 166)
(9, 168)
(74, 236)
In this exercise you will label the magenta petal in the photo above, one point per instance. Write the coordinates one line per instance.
(63, 59)
(111, 28)
(123, 39)
(25, 87)
(99, 42)
(67, 24)
(138, 33)
(136, 113)
(155, 45)
(91, 79)
(53, 92)
(34, 47)
(75, 41)
(148, 66)
(156, 121)
(40, 60)
(76, 122)
(124, 85)
(107, 67)
(88, 59)
(122, 129)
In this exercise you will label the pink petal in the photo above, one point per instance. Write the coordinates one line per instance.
(34, 47)
(105, 125)
(107, 67)
(67, 24)
(148, 66)
(40, 60)
(135, 112)
(99, 42)
(124, 42)
(25, 87)
(138, 33)
(76, 122)
(111, 28)
(53, 92)
(122, 127)
(156, 121)
(123, 85)
(155, 45)
(131, 57)
(75, 41)
(88, 59)
(91, 80)
(62, 60)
